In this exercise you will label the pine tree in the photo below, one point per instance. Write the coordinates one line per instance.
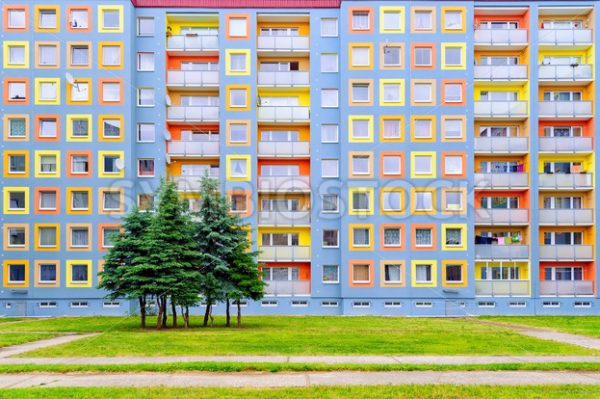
(244, 277)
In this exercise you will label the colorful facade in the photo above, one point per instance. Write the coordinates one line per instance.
(390, 157)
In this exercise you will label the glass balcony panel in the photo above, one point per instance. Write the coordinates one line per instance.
(283, 114)
(193, 148)
(565, 181)
(284, 183)
(287, 288)
(502, 288)
(284, 218)
(567, 288)
(501, 216)
(192, 42)
(565, 36)
(501, 72)
(283, 78)
(566, 252)
(565, 109)
(566, 144)
(283, 148)
(193, 78)
(501, 252)
(500, 36)
(501, 144)
(566, 217)
(501, 180)
(288, 253)
(283, 43)
(501, 109)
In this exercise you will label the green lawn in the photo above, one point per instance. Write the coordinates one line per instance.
(9, 319)
(310, 335)
(584, 325)
(372, 392)
(21, 338)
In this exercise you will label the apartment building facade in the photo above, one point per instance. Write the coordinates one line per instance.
(390, 157)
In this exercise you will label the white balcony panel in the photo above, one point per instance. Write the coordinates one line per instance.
(500, 37)
(566, 252)
(193, 114)
(283, 43)
(287, 288)
(501, 252)
(567, 287)
(501, 145)
(192, 78)
(566, 144)
(501, 109)
(501, 180)
(283, 148)
(284, 218)
(290, 253)
(193, 43)
(502, 288)
(193, 148)
(566, 217)
(565, 37)
(500, 72)
(576, 181)
(284, 183)
(565, 72)
(283, 78)
(565, 109)
(191, 183)
(284, 114)
(501, 217)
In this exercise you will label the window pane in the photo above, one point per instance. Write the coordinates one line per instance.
(329, 62)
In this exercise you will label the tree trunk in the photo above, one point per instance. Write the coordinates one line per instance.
(142, 300)
(174, 310)
(159, 317)
(239, 314)
(206, 313)
(227, 314)
(187, 317)
(164, 311)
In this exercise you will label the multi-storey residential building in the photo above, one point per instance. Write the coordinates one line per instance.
(390, 157)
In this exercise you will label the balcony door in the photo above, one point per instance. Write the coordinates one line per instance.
(499, 202)
(563, 131)
(199, 101)
(280, 274)
(280, 205)
(278, 101)
(563, 202)
(203, 136)
(285, 66)
(498, 60)
(199, 31)
(280, 240)
(499, 96)
(287, 136)
(498, 25)
(562, 96)
(562, 167)
(563, 238)
(498, 131)
(573, 24)
(198, 170)
(286, 32)
(499, 167)
(563, 273)
(562, 60)
(280, 170)
(501, 272)
(199, 66)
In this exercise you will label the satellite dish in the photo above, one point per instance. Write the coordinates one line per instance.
(168, 100)
(167, 135)
(119, 164)
(70, 78)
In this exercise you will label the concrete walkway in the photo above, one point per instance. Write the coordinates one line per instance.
(380, 360)
(565, 338)
(264, 380)
(43, 343)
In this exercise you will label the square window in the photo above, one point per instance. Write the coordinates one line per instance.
(145, 26)
(329, 27)
(111, 128)
(111, 92)
(423, 128)
(361, 129)
(17, 164)
(47, 128)
(453, 201)
(329, 133)
(17, 128)
(111, 19)
(17, 91)
(239, 168)
(422, 92)
(330, 238)
(392, 56)
(238, 203)
(146, 132)
(79, 19)
(361, 164)
(330, 203)
(80, 127)
(329, 168)
(80, 55)
(331, 274)
(16, 273)
(48, 91)
(423, 56)
(16, 55)
(237, 98)
(329, 62)
(329, 98)
(392, 273)
(80, 164)
(145, 97)
(423, 164)
(111, 201)
(453, 56)
(80, 92)
(360, 202)
(453, 92)
(361, 92)
(17, 200)
(392, 93)
(453, 165)
(79, 274)
(454, 273)
(47, 55)
(361, 20)
(17, 18)
(47, 164)
(47, 236)
(423, 201)
(392, 201)
(110, 163)
(145, 62)
(108, 236)
(238, 27)
(146, 167)
(16, 237)
(238, 132)
(237, 62)
(80, 237)
(453, 20)
(392, 129)
(80, 200)
(423, 20)
(392, 237)
(361, 56)
(361, 273)
(47, 200)
(145, 202)
(453, 128)
(47, 19)
(392, 20)
(111, 56)
(453, 237)
(392, 165)
(423, 273)
(48, 273)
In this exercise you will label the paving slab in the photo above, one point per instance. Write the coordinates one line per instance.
(43, 343)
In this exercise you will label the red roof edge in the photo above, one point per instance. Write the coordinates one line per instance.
(239, 3)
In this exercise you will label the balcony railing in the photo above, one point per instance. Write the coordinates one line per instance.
(283, 114)
(566, 144)
(565, 72)
(191, 183)
(567, 287)
(566, 252)
(566, 181)
(287, 288)
(283, 78)
(502, 287)
(501, 109)
(193, 114)
(284, 218)
(501, 217)
(566, 217)
(501, 72)
(288, 253)
(502, 145)
(502, 180)
(500, 37)
(192, 78)
(565, 109)
(283, 149)
(284, 183)
(501, 252)
(283, 43)
(193, 42)
(565, 37)
(193, 148)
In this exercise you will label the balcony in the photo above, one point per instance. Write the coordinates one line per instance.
(284, 114)
(192, 44)
(567, 288)
(191, 183)
(192, 79)
(288, 253)
(494, 73)
(283, 149)
(283, 79)
(565, 109)
(502, 288)
(566, 144)
(501, 252)
(193, 149)
(566, 217)
(568, 74)
(193, 114)
(501, 145)
(563, 252)
(500, 39)
(284, 218)
(284, 183)
(512, 181)
(501, 217)
(501, 109)
(575, 39)
(287, 288)
(283, 44)
(565, 181)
